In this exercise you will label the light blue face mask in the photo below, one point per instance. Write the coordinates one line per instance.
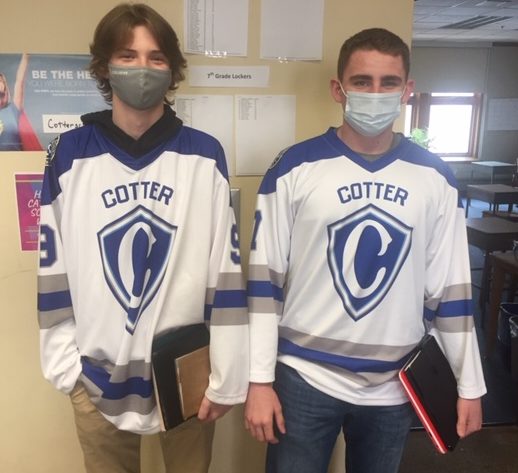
(140, 87)
(371, 113)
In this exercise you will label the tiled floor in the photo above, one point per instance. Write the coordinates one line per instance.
(492, 450)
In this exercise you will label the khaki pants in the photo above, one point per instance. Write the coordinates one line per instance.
(185, 449)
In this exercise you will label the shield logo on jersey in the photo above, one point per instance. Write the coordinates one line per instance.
(135, 251)
(365, 252)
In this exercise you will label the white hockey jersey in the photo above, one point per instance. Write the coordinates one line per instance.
(132, 247)
(351, 262)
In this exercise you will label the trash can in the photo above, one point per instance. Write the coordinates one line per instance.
(507, 312)
(513, 332)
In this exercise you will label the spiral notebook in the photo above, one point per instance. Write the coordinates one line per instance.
(432, 389)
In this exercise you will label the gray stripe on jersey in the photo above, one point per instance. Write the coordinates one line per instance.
(120, 374)
(453, 324)
(50, 318)
(261, 272)
(116, 407)
(230, 282)
(226, 282)
(229, 316)
(54, 283)
(209, 296)
(343, 348)
(263, 305)
(456, 292)
(363, 379)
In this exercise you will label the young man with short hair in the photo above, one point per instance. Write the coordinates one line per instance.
(138, 237)
(359, 249)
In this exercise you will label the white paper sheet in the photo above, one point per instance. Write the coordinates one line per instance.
(229, 76)
(265, 125)
(213, 114)
(292, 29)
(216, 27)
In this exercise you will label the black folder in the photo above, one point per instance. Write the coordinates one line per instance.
(181, 369)
(432, 389)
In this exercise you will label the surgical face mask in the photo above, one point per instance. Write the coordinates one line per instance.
(140, 88)
(371, 113)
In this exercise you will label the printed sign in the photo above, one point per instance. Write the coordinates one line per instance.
(28, 193)
(41, 96)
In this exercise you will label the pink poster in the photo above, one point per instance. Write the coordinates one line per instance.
(28, 192)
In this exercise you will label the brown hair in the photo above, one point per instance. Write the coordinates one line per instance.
(374, 39)
(115, 30)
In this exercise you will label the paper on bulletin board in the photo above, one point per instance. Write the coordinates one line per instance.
(216, 27)
(28, 193)
(265, 125)
(502, 114)
(292, 29)
(213, 114)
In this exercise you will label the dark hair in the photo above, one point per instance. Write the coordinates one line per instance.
(115, 30)
(374, 39)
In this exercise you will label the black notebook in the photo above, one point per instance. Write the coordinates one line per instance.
(181, 369)
(432, 389)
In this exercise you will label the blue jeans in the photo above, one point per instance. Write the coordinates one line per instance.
(375, 435)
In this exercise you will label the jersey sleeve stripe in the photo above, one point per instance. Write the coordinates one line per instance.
(236, 316)
(452, 293)
(261, 272)
(229, 299)
(262, 305)
(52, 283)
(54, 300)
(265, 289)
(454, 324)
(51, 318)
(450, 309)
(225, 300)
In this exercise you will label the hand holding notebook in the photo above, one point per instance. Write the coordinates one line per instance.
(181, 369)
(432, 389)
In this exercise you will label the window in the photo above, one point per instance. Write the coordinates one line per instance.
(452, 121)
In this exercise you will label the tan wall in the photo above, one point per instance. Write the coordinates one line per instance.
(36, 432)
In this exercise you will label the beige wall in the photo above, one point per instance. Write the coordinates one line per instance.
(36, 432)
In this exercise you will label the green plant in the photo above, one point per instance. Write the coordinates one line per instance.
(420, 137)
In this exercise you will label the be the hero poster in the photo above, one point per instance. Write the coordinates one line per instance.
(41, 96)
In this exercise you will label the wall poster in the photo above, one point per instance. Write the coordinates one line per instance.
(41, 96)
(28, 193)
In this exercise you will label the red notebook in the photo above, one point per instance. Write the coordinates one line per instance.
(432, 389)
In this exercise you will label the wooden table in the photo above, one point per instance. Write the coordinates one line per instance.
(493, 194)
(493, 167)
(503, 264)
(490, 234)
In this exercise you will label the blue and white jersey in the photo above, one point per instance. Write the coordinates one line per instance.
(130, 248)
(351, 262)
